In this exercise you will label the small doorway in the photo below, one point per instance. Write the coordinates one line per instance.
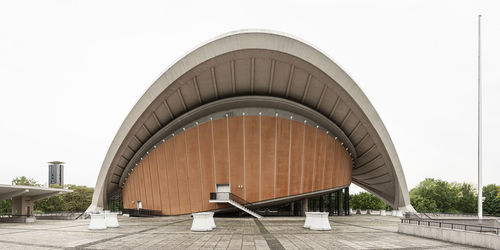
(28, 211)
(139, 205)
(223, 188)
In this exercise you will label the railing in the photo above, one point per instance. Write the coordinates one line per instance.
(9, 218)
(226, 196)
(142, 212)
(220, 196)
(61, 214)
(78, 217)
(452, 226)
(240, 200)
(439, 214)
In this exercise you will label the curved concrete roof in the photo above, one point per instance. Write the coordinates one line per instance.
(258, 63)
(36, 193)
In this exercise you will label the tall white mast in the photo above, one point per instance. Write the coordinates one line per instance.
(479, 126)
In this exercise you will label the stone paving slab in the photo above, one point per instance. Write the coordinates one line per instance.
(173, 232)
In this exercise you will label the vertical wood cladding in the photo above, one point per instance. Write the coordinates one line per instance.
(163, 178)
(261, 157)
(182, 173)
(283, 157)
(267, 158)
(207, 162)
(252, 163)
(236, 156)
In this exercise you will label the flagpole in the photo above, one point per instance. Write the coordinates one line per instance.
(479, 125)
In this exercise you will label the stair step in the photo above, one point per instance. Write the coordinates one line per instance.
(246, 210)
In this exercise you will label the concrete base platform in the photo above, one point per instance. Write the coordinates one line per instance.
(173, 232)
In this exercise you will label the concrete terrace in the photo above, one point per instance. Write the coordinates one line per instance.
(352, 232)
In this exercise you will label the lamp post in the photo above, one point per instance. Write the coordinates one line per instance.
(479, 125)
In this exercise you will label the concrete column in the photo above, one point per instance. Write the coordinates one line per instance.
(330, 200)
(22, 205)
(16, 205)
(305, 207)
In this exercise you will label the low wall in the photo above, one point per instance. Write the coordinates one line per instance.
(456, 236)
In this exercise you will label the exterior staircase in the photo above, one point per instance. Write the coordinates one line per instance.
(224, 197)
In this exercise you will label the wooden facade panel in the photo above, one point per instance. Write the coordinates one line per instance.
(320, 160)
(147, 183)
(194, 170)
(207, 162)
(336, 163)
(252, 158)
(341, 171)
(163, 178)
(155, 186)
(282, 157)
(330, 163)
(137, 186)
(135, 192)
(309, 166)
(142, 187)
(236, 164)
(221, 151)
(261, 157)
(173, 187)
(297, 152)
(268, 138)
(347, 169)
(126, 196)
(182, 173)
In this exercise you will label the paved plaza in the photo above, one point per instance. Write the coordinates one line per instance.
(352, 232)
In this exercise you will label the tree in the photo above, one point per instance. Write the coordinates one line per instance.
(77, 201)
(491, 204)
(422, 204)
(467, 199)
(364, 200)
(25, 181)
(6, 206)
(442, 193)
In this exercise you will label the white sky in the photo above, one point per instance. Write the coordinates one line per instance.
(70, 71)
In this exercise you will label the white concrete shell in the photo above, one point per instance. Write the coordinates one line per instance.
(257, 64)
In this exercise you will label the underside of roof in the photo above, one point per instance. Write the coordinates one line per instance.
(244, 68)
(36, 193)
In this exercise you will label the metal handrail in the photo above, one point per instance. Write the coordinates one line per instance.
(452, 225)
(57, 214)
(443, 214)
(230, 196)
(240, 200)
(142, 212)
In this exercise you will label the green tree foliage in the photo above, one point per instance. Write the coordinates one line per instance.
(422, 204)
(433, 195)
(6, 206)
(25, 181)
(442, 193)
(467, 199)
(491, 204)
(364, 200)
(77, 201)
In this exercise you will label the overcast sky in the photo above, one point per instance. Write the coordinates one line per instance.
(70, 71)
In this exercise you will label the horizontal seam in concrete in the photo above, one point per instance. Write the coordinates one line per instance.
(121, 236)
(29, 244)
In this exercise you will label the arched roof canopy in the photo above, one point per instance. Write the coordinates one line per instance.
(258, 65)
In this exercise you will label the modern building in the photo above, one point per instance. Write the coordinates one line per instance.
(56, 173)
(250, 117)
(23, 198)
